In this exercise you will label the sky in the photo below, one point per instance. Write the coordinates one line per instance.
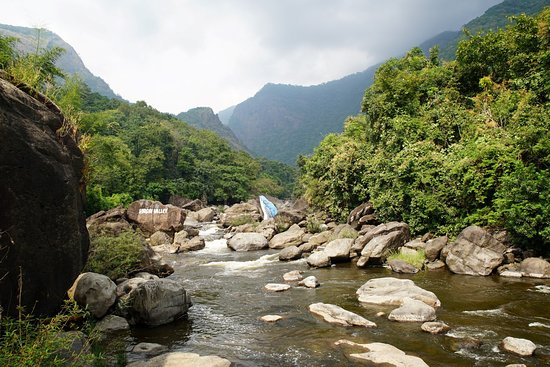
(181, 54)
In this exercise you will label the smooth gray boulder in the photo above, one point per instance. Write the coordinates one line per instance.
(242, 242)
(290, 253)
(291, 237)
(339, 249)
(309, 282)
(518, 346)
(392, 291)
(277, 287)
(271, 318)
(320, 238)
(156, 302)
(152, 216)
(95, 291)
(435, 327)
(206, 215)
(381, 230)
(318, 260)
(149, 349)
(412, 310)
(400, 266)
(379, 248)
(535, 267)
(194, 244)
(293, 276)
(337, 315)
(180, 359)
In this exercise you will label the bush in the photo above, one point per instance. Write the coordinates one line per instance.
(32, 342)
(116, 256)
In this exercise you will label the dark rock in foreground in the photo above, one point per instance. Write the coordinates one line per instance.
(43, 237)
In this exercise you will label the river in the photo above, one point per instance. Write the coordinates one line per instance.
(228, 293)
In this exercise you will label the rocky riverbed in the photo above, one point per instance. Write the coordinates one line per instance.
(252, 309)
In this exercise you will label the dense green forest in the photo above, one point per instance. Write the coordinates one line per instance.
(133, 151)
(444, 145)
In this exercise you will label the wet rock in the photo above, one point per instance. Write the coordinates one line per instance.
(475, 252)
(271, 318)
(434, 246)
(318, 260)
(339, 316)
(293, 276)
(518, 346)
(535, 267)
(149, 349)
(95, 291)
(129, 285)
(435, 327)
(383, 354)
(435, 265)
(516, 365)
(466, 343)
(43, 236)
(206, 215)
(338, 250)
(112, 323)
(194, 244)
(247, 242)
(276, 287)
(412, 310)
(157, 302)
(511, 274)
(400, 266)
(290, 253)
(180, 359)
(74, 347)
(392, 291)
(309, 282)
(152, 216)
(362, 262)
(291, 237)
(160, 238)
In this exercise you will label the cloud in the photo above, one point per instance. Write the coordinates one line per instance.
(180, 54)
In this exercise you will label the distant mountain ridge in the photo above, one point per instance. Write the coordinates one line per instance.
(281, 122)
(204, 118)
(69, 61)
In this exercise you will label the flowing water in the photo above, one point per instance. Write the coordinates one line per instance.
(229, 298)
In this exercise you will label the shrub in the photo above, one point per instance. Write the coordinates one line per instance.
(313, 225)
(115, 256)
(241, 219)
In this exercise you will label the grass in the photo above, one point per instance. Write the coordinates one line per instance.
(241, 219)
(416, 260)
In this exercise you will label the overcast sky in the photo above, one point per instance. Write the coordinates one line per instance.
(180, 54)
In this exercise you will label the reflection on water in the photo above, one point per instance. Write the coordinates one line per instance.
(229, 298)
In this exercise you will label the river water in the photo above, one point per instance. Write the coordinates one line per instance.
(228, 293)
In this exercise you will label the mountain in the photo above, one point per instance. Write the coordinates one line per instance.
(204, 118)
(494, 18)
(283, 121)
(69, 61)
(225, 115)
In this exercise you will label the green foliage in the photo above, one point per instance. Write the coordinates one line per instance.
(313, 225)
(115, 256)
(443, 146)
(27, 341)
(241, 220)
(417, 259)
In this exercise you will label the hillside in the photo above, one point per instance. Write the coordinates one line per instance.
(69, 61)
(283, 121)
(495, 17)
(204, 118)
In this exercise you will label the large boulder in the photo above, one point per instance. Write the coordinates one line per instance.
(434, 247)
(401, 266)
(381, 230)
(518, 346)
(206, 215)
(318, 260)
(393, 291)
(475, 252)
(337, 315)
(292, 237)
(338, 250)
(535, 267)
(181, 359)
(363, 214)
(152, 216)
(43, 237)
(156, 302)
(290, 253)
(242, 212)
(94, 291)
(412, 310)
(378, 249)
(247, 242)
(114, 221)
